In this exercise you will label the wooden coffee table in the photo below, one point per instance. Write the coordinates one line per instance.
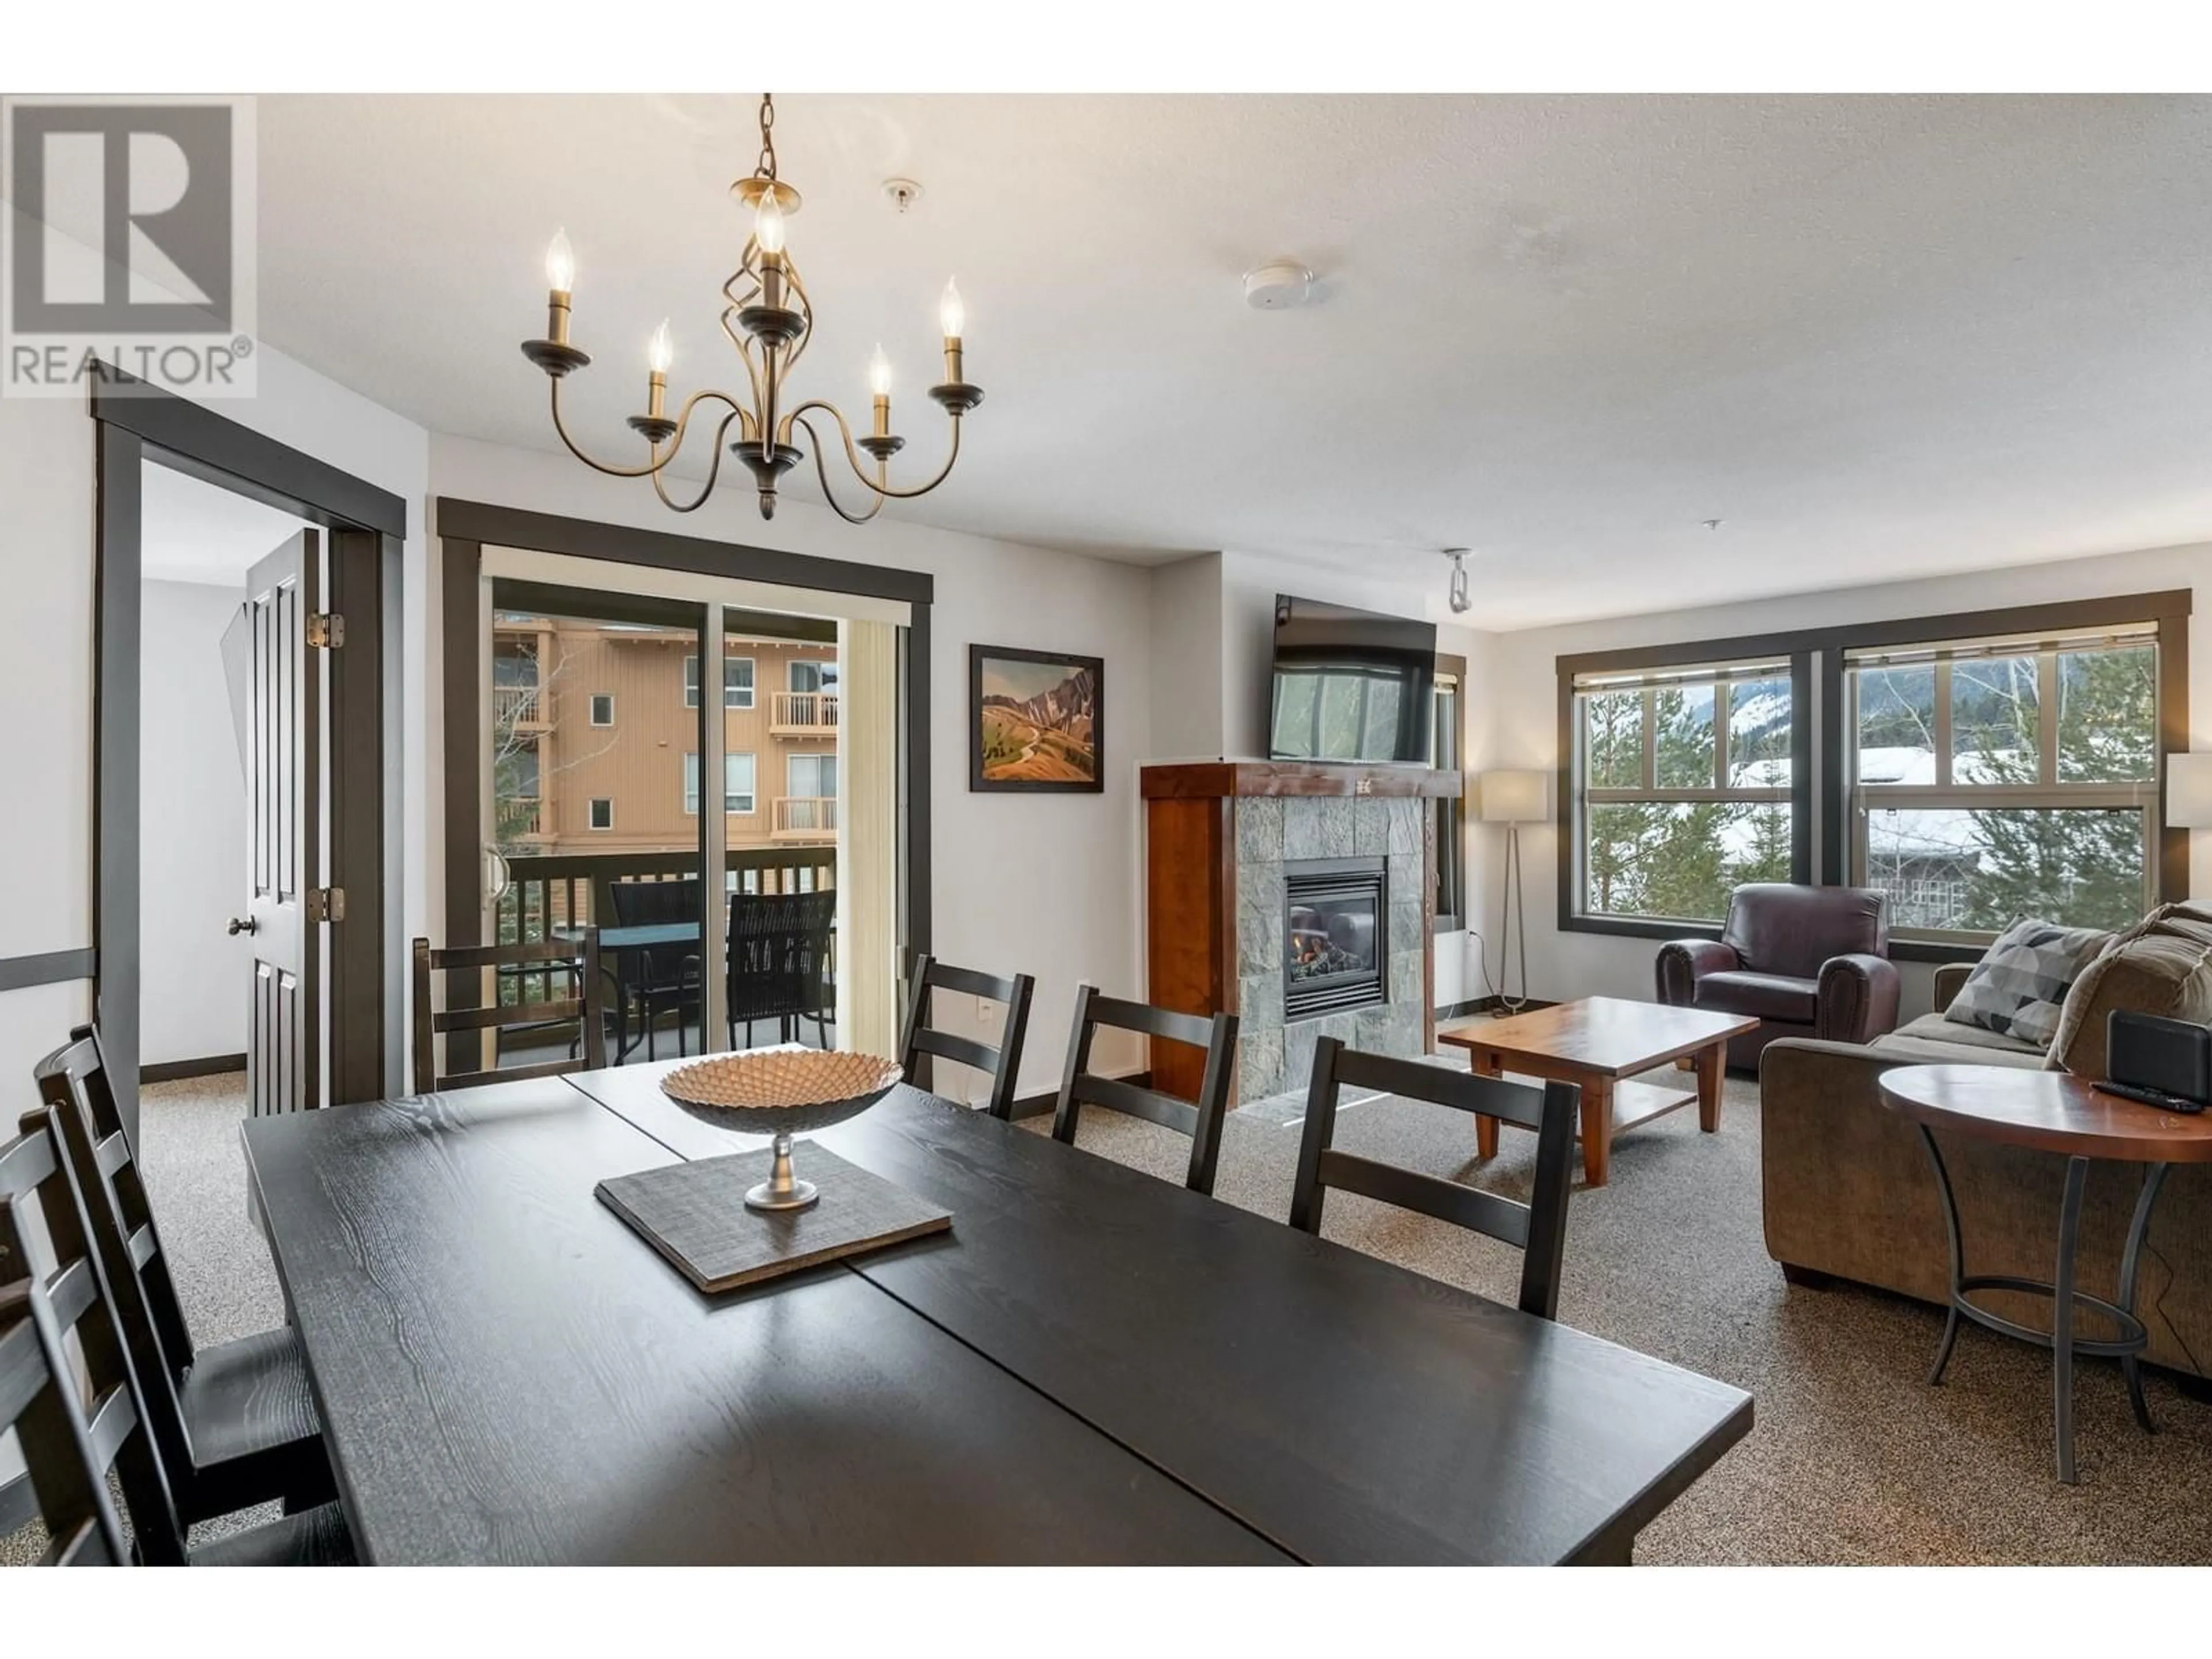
(2050, 1112)
(1596, 1044)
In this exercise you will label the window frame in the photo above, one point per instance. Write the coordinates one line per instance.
(591, 814)
(692, 784)
(2050, 793)
(599, 697)
(751, 809)
(814, 756)
(750, 687)
(1448, 752)
(1720, 674)
(1818, 730)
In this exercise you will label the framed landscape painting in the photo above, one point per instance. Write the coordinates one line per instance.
(1036, 720)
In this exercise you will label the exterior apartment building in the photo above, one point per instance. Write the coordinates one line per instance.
(596, 738)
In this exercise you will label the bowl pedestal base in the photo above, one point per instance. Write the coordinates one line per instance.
(782, 1190)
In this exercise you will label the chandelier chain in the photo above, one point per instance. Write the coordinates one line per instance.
(766, 165)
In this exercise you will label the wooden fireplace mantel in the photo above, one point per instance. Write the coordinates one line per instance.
(1204, 818)
(1224, 779)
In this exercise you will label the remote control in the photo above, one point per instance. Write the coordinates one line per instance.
(2158, 1097)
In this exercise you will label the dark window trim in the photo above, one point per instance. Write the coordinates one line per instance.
(464, 528)
(1449, 921)
(585, 538)
(1569, 805)
(2170, 608)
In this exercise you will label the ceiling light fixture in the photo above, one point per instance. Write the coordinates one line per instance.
(767, 316)
(1460, 602)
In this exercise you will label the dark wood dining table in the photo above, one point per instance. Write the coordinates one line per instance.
(1092, 1366)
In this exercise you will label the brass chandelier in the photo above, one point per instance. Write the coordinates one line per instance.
(767, 316)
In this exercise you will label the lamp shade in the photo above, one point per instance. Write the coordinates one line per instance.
(1513, 797)
(2188, 791)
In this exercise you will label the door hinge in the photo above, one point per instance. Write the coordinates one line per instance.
(325, 630)
(326, 904)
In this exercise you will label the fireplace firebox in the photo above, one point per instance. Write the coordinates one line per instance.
(1335, 914)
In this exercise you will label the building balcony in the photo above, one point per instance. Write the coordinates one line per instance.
(521, 708)
(803, 715)
(803, 817)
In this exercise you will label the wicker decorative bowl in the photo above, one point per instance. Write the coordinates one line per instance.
(782, 1093)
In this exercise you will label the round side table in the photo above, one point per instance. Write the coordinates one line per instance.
(2050, 1112)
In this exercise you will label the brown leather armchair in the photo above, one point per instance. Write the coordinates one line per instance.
(1807, 962)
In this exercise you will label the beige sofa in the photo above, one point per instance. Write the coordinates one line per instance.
(1848, 1192)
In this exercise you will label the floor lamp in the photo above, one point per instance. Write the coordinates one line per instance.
(1512, 799)
(2188, 804)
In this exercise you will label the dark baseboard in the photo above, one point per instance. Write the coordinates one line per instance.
(1042, 1105)
(176, 1070)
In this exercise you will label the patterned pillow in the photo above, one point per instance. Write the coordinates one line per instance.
(2019, 987)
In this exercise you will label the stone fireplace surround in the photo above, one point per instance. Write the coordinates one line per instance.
(1218, 836)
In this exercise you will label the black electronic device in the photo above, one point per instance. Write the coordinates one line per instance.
(2162, 1062)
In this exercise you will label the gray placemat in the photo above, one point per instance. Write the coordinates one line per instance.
(694, 1214)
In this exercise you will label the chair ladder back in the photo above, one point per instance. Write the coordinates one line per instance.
(1537, 1227)
(577, 957)
(1002, 1064)
(68, 1449)
(778, 954)
(1201, 1120)
(121, 1236)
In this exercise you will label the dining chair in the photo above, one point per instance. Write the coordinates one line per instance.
(1538, 1228)
(1079, 1086)
(234, 1424)
(576, 955)
(1002, 1063)
(658, 977)
(70, 1449)
(779, 961)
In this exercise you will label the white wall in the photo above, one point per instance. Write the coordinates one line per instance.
(47, 642)
(1046, 884)
(1186, 703)
(1522, 693)
(192, 858)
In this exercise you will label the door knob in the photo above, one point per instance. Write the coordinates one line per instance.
(247, 925)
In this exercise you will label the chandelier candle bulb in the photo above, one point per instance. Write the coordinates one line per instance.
(560, 279)
(767, 223)
(560, 264)
(879, 373)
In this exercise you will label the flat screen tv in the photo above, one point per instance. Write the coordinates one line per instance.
(1351, 685)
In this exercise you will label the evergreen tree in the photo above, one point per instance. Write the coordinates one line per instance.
(2082, 865)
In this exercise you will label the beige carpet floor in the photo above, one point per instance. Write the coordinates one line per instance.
(1853, 1459)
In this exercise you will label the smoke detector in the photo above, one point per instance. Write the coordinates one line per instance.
(1279, 285)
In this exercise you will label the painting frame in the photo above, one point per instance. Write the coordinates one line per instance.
(979, 780)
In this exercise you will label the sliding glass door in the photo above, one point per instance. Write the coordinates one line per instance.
(633, 742)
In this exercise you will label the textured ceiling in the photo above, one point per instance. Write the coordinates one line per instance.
(1878, 336)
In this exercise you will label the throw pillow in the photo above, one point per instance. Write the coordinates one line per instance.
(2019, 987)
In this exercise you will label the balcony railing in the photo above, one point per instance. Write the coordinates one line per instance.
(518, 705)
(804, 817)
(567, 889)
(803, 713)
